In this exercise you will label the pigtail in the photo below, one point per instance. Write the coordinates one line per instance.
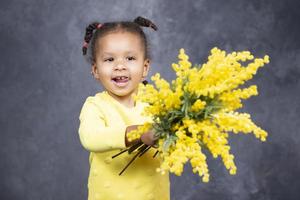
(145, 22)
(89, 34)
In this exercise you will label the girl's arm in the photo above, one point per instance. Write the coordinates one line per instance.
(94, 135)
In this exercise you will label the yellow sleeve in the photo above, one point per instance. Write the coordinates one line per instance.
(94, 135)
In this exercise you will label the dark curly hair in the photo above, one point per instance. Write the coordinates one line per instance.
(96, 30)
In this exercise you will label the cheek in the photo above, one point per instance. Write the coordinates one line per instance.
(137, 67)
(104, 69)
(137, 73)
(104, 73)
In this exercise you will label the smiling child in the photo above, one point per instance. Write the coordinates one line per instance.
(120, 61)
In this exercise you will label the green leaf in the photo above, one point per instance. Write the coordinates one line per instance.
(170, 140)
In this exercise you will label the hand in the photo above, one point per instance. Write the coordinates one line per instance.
(149, 138)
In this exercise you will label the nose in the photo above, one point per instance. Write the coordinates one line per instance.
(120, 66)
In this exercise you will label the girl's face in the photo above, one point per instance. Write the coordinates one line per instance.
(120, 65)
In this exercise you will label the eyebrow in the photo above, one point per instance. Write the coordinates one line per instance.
(108, 53)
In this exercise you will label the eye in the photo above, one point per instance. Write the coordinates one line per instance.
(131, 58)
(108, 59)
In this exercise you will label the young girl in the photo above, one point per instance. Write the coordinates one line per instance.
(120, 61)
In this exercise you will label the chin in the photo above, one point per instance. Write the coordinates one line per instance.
(121, 93)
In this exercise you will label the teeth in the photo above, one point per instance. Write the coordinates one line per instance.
(120, 77)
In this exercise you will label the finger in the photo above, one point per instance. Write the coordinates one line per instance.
(155, 144)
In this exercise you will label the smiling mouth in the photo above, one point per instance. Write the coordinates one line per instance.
(120, 81)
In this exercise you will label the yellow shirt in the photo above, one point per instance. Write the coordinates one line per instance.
(103, 121)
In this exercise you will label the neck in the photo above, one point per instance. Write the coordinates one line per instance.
(126, 100)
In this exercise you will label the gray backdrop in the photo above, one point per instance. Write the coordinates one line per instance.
(45, 80)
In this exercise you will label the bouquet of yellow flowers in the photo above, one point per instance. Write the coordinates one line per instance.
(198, 110)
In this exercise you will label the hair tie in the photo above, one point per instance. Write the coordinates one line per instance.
(85, 44)
(99, 26)
(145, 82)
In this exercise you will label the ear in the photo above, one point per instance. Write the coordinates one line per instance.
(94, 70)
(146, 67)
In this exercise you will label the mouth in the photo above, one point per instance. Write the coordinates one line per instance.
(120, 81)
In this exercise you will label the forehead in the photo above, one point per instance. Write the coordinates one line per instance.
(120, 42)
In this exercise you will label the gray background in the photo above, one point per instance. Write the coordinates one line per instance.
(44, 81)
